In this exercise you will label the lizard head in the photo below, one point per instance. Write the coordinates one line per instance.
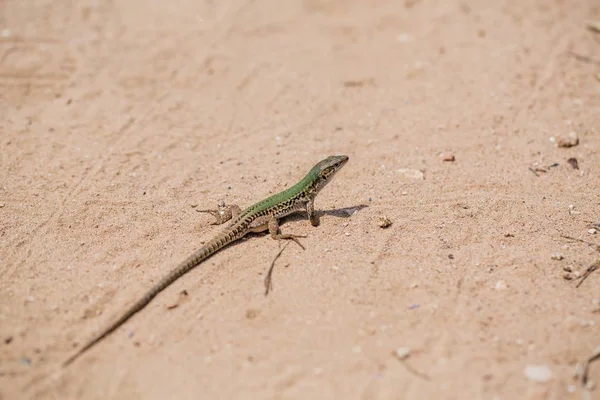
(326, 169)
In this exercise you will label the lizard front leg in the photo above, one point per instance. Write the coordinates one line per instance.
(273, 226)
(310, 210)
(223, 213)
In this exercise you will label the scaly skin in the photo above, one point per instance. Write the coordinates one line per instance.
(259, 217)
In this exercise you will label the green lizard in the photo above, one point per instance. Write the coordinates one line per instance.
(259, 217)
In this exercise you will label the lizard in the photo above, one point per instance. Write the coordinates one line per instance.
(260, 217)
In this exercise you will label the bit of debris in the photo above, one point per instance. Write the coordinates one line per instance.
(451, 256)
(595, 306)
(557, 256)
(383, 221)
(193, 205)
(251, 313)
(402, 353)
(582, 370)
(589, 271)
(182, 295)
(501, 285)
(572, 211)
(534, 172)
(593, 26)
(567, 276)
(569, 141)
(592, 231)
(567, 269)
(2, 205)
(448, 157)
(8, 340)
(411, 173)
(508, 235)
(573, 162)
(538, 373)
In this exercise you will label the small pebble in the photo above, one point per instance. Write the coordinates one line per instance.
(402, 353)
(383, 221)
(501, 285)
(2, 205)
(538, 373)
(594, 26)
(557, 256)
(569, 141)
(411, 173)
(448, 157)
(592, 231)
(567, 276)
(567, 269)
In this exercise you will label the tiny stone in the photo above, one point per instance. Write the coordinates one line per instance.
(557, 256)
(193, 205)
(411, 173)
(448, 157)
(567, 269)
(567, 276)
(383, 221)
(501, 285)
(402, 353)
(592, 231)
(571, 140)
(538, 373)
(2, 205)
(593, 26)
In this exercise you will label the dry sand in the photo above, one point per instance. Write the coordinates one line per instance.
(119, 116)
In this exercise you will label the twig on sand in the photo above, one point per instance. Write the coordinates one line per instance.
(583, 370)
(269, 277)
(588, 272)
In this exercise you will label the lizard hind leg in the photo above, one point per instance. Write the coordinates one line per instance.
(277, 235)
(223, 213)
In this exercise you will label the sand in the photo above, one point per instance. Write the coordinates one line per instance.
(121, 118)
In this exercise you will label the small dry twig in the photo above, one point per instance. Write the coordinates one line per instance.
(269, 277)
(584, 371)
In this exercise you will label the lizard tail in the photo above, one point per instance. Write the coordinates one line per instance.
(189, 263)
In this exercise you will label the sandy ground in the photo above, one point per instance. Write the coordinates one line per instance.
(118, 117)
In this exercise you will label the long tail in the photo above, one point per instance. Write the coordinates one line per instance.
(217, 243)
